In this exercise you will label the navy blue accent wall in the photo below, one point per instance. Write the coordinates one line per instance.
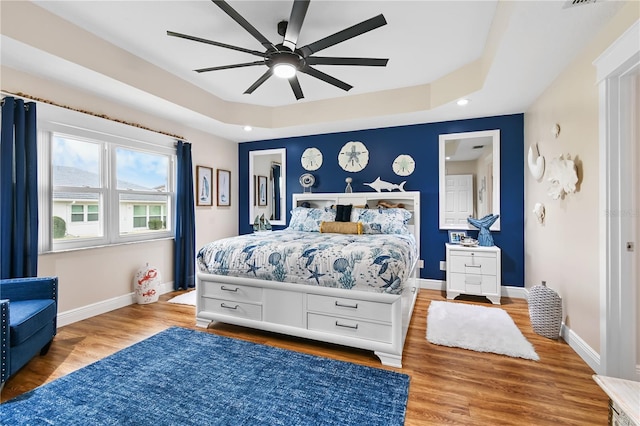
(421, 142)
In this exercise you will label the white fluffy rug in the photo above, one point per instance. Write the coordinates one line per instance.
(188, 298)
(477, 328)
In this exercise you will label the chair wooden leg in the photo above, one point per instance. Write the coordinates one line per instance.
(45, 348)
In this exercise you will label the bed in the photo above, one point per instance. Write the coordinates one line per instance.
(353, 284)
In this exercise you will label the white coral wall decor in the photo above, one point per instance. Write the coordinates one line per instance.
(536, 167)
(563, 177)
(538, 211)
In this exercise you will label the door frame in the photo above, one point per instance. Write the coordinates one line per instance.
(617, 133)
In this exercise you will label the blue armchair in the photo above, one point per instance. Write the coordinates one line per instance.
(28, 311)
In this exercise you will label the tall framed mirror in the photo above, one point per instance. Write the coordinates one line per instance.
(469, 165)
(267, 185)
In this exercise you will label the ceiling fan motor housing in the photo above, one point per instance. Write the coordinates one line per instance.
(284, 57)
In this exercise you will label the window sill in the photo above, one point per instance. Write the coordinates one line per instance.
(69, 250)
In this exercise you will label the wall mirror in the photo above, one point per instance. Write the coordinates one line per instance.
(267, 185)
(469, 165)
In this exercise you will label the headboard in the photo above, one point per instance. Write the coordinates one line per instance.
(410, 199)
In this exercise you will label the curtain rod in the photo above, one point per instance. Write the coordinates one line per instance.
(83, 111)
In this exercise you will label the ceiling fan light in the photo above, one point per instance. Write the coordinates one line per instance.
(284, 70)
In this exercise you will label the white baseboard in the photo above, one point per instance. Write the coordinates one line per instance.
(430, 284)
(507, 291)
(579, 346)
(104, 306)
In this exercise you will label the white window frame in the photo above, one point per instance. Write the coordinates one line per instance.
(112, 135)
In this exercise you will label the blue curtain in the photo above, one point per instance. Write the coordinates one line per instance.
(276, 191)
(18, 190)
(185, 239)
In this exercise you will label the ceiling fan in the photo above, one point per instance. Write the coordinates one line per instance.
(286, 59)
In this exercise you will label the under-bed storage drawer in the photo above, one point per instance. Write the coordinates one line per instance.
(349, 307)
(350, 327)
(236, 309)
(240, 293)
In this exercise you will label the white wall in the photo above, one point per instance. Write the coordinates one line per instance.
(93, 276)
(564, 251)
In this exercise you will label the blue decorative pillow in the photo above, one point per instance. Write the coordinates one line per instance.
(309, 219)
(382, 221)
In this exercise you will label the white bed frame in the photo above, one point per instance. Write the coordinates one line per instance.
(366, 320)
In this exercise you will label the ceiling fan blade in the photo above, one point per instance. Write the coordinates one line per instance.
(215, 43)
(244, 24)
(346, 34)
(258, 82)
(326, 78)
(298, 12)
(295, 86)
(369, 62)
(227, 67)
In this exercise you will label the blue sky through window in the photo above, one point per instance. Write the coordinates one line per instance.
(144, 170)
(141, 168)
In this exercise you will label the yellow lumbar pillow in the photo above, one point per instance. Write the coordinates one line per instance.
(341, 227)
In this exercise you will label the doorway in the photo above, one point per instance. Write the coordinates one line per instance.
(618, 70)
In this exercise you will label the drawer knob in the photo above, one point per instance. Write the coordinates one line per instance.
(235, 290)
(346, 306)
(472, 266)
(354, 327)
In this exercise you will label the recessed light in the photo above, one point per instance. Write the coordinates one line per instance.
(462, 102)
(247, 128)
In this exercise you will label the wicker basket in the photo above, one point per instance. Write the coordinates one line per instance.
(545, 311)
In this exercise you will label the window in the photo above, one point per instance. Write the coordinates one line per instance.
(151, 217)
(84, 213)
(104, 189)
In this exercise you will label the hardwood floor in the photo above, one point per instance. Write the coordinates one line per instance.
(448, 385)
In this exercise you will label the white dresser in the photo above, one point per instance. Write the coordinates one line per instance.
(474, 270)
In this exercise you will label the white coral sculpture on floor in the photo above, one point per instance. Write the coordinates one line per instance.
(562, 174)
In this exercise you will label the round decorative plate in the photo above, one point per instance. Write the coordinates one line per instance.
(307, 180)
(353, 156)
(311, 159)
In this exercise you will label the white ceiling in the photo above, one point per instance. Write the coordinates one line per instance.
(424, 40)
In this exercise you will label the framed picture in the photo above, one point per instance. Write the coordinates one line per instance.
(204, 186)
(224, 187)
(456, 237)
(262, 190)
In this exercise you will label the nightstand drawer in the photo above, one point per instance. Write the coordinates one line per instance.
(350, 327)
(473, 263)
(474, 284)
(348, 307)
(231, 308)
(240, 293)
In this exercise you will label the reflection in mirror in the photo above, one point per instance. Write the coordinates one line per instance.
(267, 187)
(469, 178)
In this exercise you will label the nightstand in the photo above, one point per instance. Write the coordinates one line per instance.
(474, 270)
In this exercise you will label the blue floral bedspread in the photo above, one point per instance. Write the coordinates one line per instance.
(378, 263)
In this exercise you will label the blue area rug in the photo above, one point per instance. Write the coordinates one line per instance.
(187, 377)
